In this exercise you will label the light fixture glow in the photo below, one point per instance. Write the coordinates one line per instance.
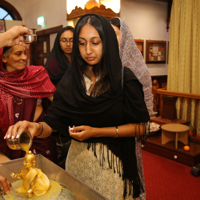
(41, 20)
(112, 4)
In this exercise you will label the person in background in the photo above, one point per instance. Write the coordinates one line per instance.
(58, 61)
(26, 93)
(57, 64)
(13, 36)
(132, 58)
(101, 109)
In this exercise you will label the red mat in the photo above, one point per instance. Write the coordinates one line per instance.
(169, 180)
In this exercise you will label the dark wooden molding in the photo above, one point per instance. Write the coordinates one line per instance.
(8, 7)
(161, 79)
(102, 10)
(194, 139)
(49, 31)
(169, 13)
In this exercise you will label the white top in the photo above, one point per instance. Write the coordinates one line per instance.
(88, 83)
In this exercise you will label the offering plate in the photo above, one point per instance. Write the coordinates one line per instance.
(80, 190)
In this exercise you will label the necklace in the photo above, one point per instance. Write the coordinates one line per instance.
(18, 101)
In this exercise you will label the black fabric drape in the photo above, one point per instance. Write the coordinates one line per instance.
(72, 106)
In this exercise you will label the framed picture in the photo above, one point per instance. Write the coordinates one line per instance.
(140, 45)
(2, 26)
(155, 51)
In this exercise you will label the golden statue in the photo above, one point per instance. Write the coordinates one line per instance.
(34, 180)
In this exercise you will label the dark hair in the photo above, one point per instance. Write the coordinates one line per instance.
(115, 21)
(68, 28)
(5, 49)
(100, 68)
(6, 52)
(60, 33)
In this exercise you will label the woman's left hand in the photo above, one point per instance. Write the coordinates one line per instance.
(81, 133)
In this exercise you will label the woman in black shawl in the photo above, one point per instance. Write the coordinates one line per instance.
(57, 64)
(59, 59)
(102, 108)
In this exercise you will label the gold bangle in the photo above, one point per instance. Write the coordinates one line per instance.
(116, 133)
(41, 130)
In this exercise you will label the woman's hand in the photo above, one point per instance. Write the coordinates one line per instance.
(5, 184)
(81, 133)
(14, 36)
(15, 130)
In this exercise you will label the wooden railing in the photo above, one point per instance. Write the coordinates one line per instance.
(158, 104)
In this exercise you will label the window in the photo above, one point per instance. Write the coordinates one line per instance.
(8, 12)
(5, 15)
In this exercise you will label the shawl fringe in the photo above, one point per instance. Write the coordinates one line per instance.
(131, 187)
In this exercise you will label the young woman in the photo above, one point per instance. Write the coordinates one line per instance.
(101, 109)
(57, 64)
(26, 93)
(59, 59)
(132, 58)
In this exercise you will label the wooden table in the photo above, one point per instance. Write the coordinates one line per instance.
(176, 132)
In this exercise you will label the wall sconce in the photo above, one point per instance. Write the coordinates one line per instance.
(106, 8)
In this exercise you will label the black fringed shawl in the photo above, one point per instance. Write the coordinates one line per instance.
(72, 106)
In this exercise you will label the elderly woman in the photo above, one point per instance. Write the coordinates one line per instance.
(26, 93)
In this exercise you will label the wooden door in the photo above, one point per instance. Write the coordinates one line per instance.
(40, 50)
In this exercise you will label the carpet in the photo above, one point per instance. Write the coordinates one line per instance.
(169, 180)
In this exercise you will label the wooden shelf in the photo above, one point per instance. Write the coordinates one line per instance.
(162, 121)
(168, 150)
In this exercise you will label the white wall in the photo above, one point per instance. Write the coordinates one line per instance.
(10, 23)
(147, 20)
(53, 10)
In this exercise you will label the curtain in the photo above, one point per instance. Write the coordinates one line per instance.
(184, 51)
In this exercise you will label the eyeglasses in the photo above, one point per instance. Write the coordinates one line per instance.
(66, 41)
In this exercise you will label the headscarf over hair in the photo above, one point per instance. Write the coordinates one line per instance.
(117, 106)
(57, 63)
(132, 58)
(31, 82)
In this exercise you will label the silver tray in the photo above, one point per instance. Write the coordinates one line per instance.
(54, 172)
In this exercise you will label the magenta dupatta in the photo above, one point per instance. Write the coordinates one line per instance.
(32, 82)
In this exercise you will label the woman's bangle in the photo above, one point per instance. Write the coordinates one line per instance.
(41, 130)
(116, 133)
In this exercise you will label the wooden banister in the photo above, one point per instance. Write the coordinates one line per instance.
(158, 103)
(179, 94)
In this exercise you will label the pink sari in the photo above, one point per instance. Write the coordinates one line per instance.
(19, 91)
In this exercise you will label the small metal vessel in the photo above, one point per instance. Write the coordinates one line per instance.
(24, 140)
(30, 38)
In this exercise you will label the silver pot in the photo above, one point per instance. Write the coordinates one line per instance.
(30, 38)
(25, 139)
